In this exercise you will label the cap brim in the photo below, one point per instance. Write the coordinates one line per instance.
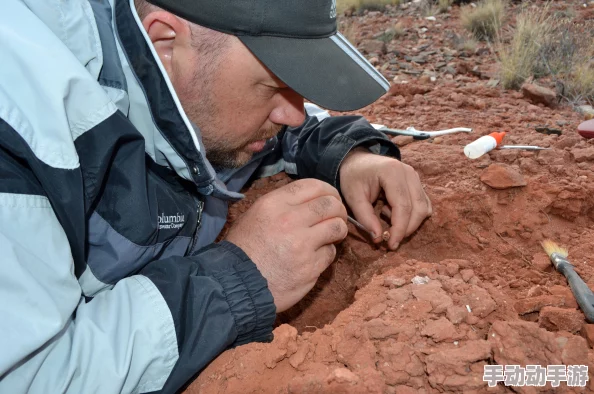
(329, 72)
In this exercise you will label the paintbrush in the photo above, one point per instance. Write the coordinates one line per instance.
(581, 291)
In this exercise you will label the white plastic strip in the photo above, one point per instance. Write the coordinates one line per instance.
(314, 110)
(354, 54)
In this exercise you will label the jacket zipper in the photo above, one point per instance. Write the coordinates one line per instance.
(198, 225)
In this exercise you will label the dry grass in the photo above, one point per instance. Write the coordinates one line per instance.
(361, 5)
(578, 86)
(568, 55)
(485, 20)
(550, 44)
(391, 33)
(349, 29)
(444, 5)
(520, 57)
(468, 45)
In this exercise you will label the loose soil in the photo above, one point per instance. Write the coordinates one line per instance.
(492, 297)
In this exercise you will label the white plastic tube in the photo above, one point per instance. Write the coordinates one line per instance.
(485, 144)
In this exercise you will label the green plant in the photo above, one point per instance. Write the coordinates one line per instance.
(485, 20)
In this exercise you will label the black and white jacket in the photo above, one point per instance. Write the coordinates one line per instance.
(109, 278)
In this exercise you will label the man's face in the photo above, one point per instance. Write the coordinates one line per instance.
(238, 104)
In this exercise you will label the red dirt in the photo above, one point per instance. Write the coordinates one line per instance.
(365, 328)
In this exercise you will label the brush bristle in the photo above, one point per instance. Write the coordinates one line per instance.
(551, 247)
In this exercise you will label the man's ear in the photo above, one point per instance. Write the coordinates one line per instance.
(167, 32)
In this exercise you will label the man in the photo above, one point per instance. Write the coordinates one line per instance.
(125, 130)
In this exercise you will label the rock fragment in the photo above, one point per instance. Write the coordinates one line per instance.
(439, 330)
(502, 176)
(535, 304)
(539, 94)
(561, 319)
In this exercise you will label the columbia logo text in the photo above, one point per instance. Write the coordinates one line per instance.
(170, 222)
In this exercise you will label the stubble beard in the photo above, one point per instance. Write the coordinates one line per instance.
(220, 155)
(222, 150)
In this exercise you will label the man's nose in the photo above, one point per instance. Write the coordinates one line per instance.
(289, 110)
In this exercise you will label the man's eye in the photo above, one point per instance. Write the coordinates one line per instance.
(277, 88)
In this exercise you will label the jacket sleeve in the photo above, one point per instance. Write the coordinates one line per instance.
(317, 147)
(152, 331)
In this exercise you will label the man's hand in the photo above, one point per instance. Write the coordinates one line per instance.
(363, 175)
(290, 234)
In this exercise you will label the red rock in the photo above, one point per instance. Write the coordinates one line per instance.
(399, 295)
(404, 390)
(407, 89)
(536, 291)
(372, 46)
(398, 102)
(480, 302)
(467, 274)
(575, 351)
(502, 176)
(448, 369)
(375, 311)
(588, 333)
(299, 356)
(433, 293)
(417, 309)
(452, 268)
(456, 314)
(542, 262)
(432, 167)
(398, 363)
(556, 319)
(567, 295)
(539, 94)
(342, 375)
(285, 337)
(521, 342)
(302, 384)
(581, 155)
(535, 304)
(440, 330)
(380, 329)
(394, 282)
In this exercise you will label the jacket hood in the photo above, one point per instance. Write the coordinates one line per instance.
(175, 139)
(123, 72)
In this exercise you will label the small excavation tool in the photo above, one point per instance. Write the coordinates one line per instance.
(361, 227)
(523, 147)
(582, 293)
(385, 235)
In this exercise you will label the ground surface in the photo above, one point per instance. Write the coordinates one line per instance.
(493, 297)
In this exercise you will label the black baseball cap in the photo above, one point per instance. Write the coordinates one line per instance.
(298, 41)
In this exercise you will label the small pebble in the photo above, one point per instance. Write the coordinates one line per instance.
(420, 280)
